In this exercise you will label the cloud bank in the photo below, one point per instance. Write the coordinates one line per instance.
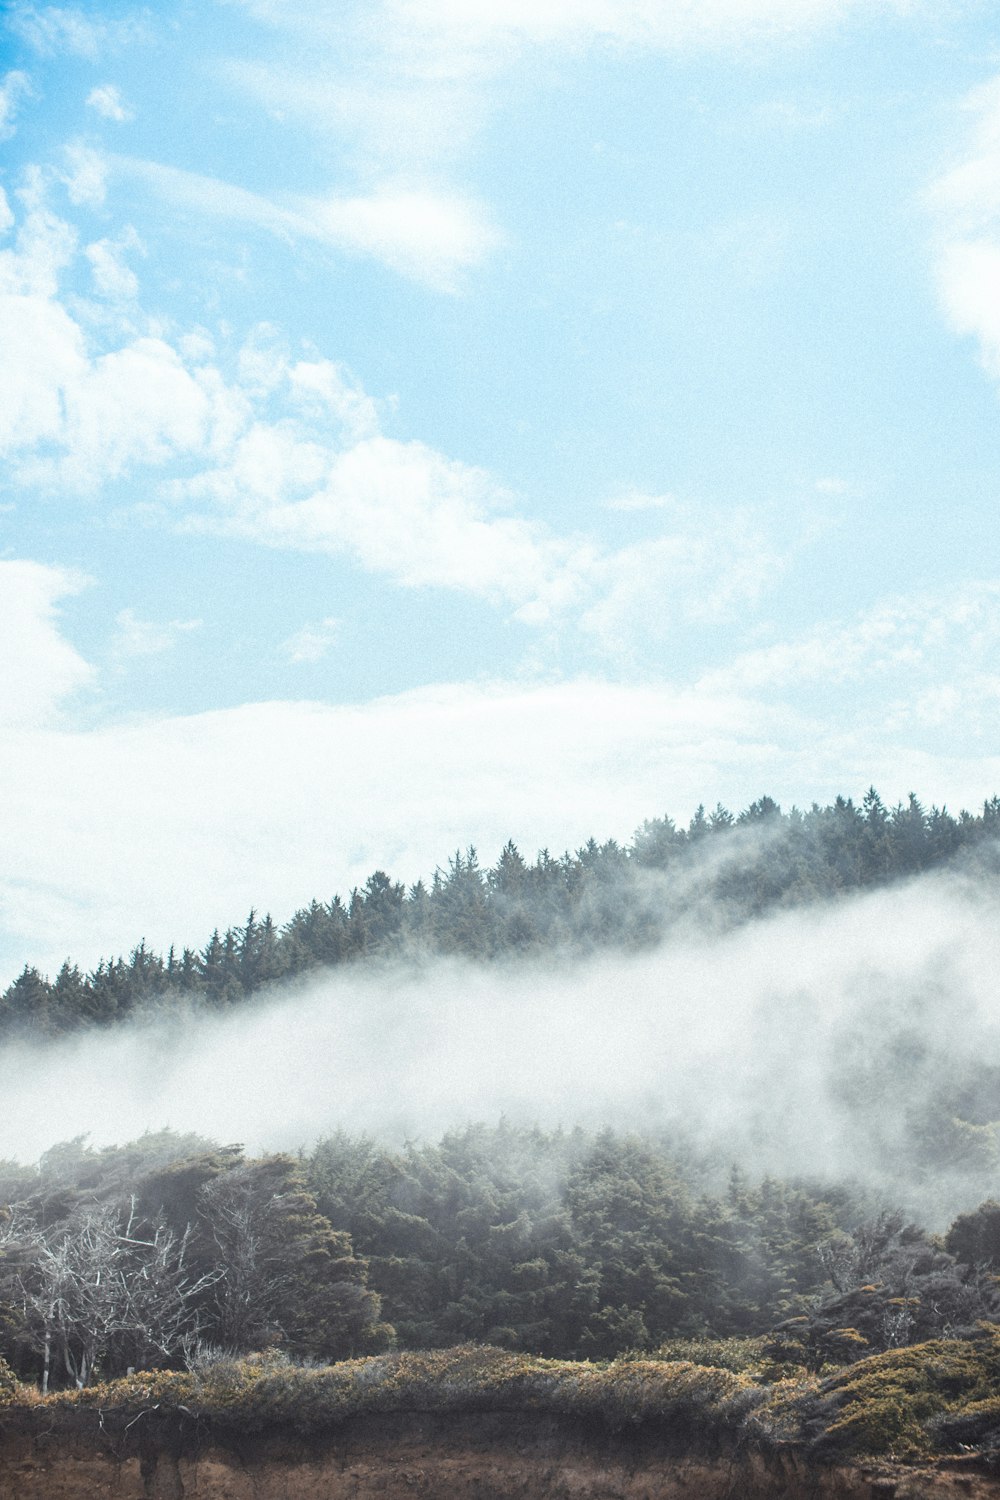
(813, 1042)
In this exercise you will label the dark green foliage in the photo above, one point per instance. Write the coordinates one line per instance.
(891, 1284)
(549, 1243)
(975, 1237)
(567, 1244)
(910, 1402)
(187, 1243)
(287, 1276)
(726, 868)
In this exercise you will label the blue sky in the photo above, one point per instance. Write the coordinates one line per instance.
(434, 421)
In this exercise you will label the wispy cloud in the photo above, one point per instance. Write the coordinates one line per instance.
(637, 23)
(313, 642)
(454, 31)
(52, 29)
(107, 101)
(291, 453)
(922, 660)
(705, 567)
(86, 175)
(136, 637)
(421, 233)
(403, 88)
(639, 500)
(113, 278)
(14, 87)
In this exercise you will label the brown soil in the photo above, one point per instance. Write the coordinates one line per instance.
(494, 1457)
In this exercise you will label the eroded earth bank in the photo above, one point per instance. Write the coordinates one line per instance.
(483, 1457)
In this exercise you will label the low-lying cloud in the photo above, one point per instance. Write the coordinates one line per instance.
(830, 1040)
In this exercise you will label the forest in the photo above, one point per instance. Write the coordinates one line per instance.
(179, 1254)
(720, 870)
(170, 1251)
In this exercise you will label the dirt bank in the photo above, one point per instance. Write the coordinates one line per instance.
(493, 1456)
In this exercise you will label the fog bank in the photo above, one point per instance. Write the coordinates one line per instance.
(859, 1038)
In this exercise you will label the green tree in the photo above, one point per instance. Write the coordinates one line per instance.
(288, 1277)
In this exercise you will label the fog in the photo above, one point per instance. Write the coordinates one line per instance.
(828, 1040)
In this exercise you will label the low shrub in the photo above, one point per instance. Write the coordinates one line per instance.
(268, 1391)
(909, 1402)
(9, 1384)
(742, 1356)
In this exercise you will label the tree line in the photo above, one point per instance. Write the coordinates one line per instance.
(172, 1250)
(722, 867)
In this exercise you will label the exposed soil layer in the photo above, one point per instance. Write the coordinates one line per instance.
(485, 1457)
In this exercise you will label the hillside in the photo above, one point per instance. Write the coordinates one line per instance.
(722, 869)
(480, 1423)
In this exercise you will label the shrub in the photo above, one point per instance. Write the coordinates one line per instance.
(902, 1402)
(267, 1391)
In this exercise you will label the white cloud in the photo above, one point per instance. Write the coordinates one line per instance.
(38, 668)
(921, 663)
(14, 87)
(635, 500)
(72, 417)
(135, 637)
(313, 642)
(106, 99)
(401, 509)
(236, 821)
(113, 279)
(965, 202)
(44, 348)
(421, 233)
(86, 177)
(132, 407)
(289, 452)
(53, 29)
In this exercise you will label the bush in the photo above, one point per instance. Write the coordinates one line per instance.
(906, 1402)
(9, 1386)
(266, 1391)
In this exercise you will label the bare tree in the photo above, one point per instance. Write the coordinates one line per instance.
(108, 1292)
(246, 1226)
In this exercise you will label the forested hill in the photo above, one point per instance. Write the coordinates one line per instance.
(720, 870)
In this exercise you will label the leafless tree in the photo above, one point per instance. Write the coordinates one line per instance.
(108, 1291)
(246, 1229)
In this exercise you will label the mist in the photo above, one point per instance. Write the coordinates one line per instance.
(852, 1039)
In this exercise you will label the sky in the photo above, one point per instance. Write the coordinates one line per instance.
(434, 422)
